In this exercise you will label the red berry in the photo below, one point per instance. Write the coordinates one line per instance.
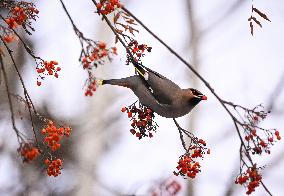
(132, 131)
(253, 132)
(99, 6)
(129, 114)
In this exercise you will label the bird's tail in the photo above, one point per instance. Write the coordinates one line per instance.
(139, 68)
(119, 82)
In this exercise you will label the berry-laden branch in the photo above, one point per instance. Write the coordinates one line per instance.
(93, 53)
(256, 143)
(43, 68)
(20, 15)
(187, 165)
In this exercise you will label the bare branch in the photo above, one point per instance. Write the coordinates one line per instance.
(19, 137)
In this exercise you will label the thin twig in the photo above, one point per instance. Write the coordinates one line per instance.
(180, 135)
(27, 97)
(10, 100)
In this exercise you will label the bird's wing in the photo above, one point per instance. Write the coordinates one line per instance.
(156, 73)
(163, 89)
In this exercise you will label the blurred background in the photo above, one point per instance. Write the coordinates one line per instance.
(102, 157)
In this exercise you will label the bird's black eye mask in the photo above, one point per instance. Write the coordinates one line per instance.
(197, 94)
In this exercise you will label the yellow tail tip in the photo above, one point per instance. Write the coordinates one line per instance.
(99, 82)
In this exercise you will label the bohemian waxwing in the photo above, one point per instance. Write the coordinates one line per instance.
(159, 93)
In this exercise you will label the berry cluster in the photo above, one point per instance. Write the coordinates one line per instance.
(187, 167)
(54, 134)
(96, 54)
(20, 14)
(255, 115)
(6, 33)
(142, 118)
(199, 149)
(108, 6)
(258, 139)
(45, 68)
(91, 88)
(54, 167)
(137, 50)
(250, 179)
(256, 144)
(28, 152)
(52, 138)
(9, 38)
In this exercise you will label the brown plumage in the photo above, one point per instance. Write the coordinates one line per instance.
(159, 93)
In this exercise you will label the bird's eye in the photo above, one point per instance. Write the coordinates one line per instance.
(194, 92)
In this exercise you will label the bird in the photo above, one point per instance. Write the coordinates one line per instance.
(158, 93)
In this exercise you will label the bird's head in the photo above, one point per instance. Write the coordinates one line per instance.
(196, 94)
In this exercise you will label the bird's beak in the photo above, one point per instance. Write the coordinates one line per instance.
(202, 97)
